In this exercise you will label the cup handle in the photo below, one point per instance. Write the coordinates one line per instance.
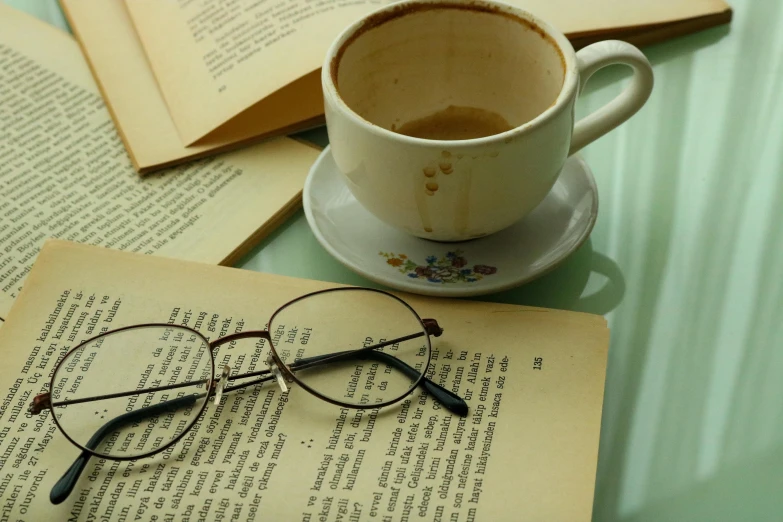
(625, 105)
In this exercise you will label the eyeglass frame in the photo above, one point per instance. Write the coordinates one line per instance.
(430, 327)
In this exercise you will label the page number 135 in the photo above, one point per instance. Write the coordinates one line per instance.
(538, 363)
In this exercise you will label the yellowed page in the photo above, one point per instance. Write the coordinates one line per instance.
(120, 68)
(215, 58)
(526, 451)
(575, 18)
(64, 172)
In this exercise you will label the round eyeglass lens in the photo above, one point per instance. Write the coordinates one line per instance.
(131, 392)
(354, 346)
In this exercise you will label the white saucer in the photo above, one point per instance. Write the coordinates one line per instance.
(511, 257)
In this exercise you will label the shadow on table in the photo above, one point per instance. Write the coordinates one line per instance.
(563, 288)
(755, 480)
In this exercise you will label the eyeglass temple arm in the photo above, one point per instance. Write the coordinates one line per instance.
(63, 487)
(43, 401)
(431, 327)
(450, 400)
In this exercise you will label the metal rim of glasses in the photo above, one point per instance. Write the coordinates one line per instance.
(173, 441)
(288, 374)
(291, 376)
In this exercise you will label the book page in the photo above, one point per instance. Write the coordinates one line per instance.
(527, 450)
(214, 59)
(64, 173)
(575, 18)
(121, 70)
(228, 55)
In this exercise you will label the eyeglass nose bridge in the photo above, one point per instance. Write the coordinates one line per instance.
(221, 384)
(274, 368)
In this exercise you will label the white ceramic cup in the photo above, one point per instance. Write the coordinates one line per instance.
(412, 59)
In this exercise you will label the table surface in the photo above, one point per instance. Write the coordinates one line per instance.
(686, 264)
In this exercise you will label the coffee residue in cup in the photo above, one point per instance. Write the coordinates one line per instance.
(456, 123)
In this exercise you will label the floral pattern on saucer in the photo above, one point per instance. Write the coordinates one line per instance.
(452, 268)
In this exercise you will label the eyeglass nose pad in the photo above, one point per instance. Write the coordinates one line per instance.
(221, 384)
(275, 370)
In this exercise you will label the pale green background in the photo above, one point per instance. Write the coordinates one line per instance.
(686, 263)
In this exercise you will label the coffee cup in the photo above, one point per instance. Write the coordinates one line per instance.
(451, 119)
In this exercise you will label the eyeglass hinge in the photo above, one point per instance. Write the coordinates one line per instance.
(40, 403)
(432, 327)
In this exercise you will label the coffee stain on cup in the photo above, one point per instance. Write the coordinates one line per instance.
(446, 154)
(429, 171)
(446, 167)
(421, 199)
(462, 203)
(432, 188)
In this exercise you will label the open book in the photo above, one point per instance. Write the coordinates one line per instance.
(64, 172)
(527, 450)
(184, 78)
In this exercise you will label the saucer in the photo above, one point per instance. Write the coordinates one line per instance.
(511, 257)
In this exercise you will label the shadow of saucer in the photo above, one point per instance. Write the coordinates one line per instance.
(563, 287)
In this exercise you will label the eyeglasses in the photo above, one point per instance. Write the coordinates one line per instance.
(133, 392)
